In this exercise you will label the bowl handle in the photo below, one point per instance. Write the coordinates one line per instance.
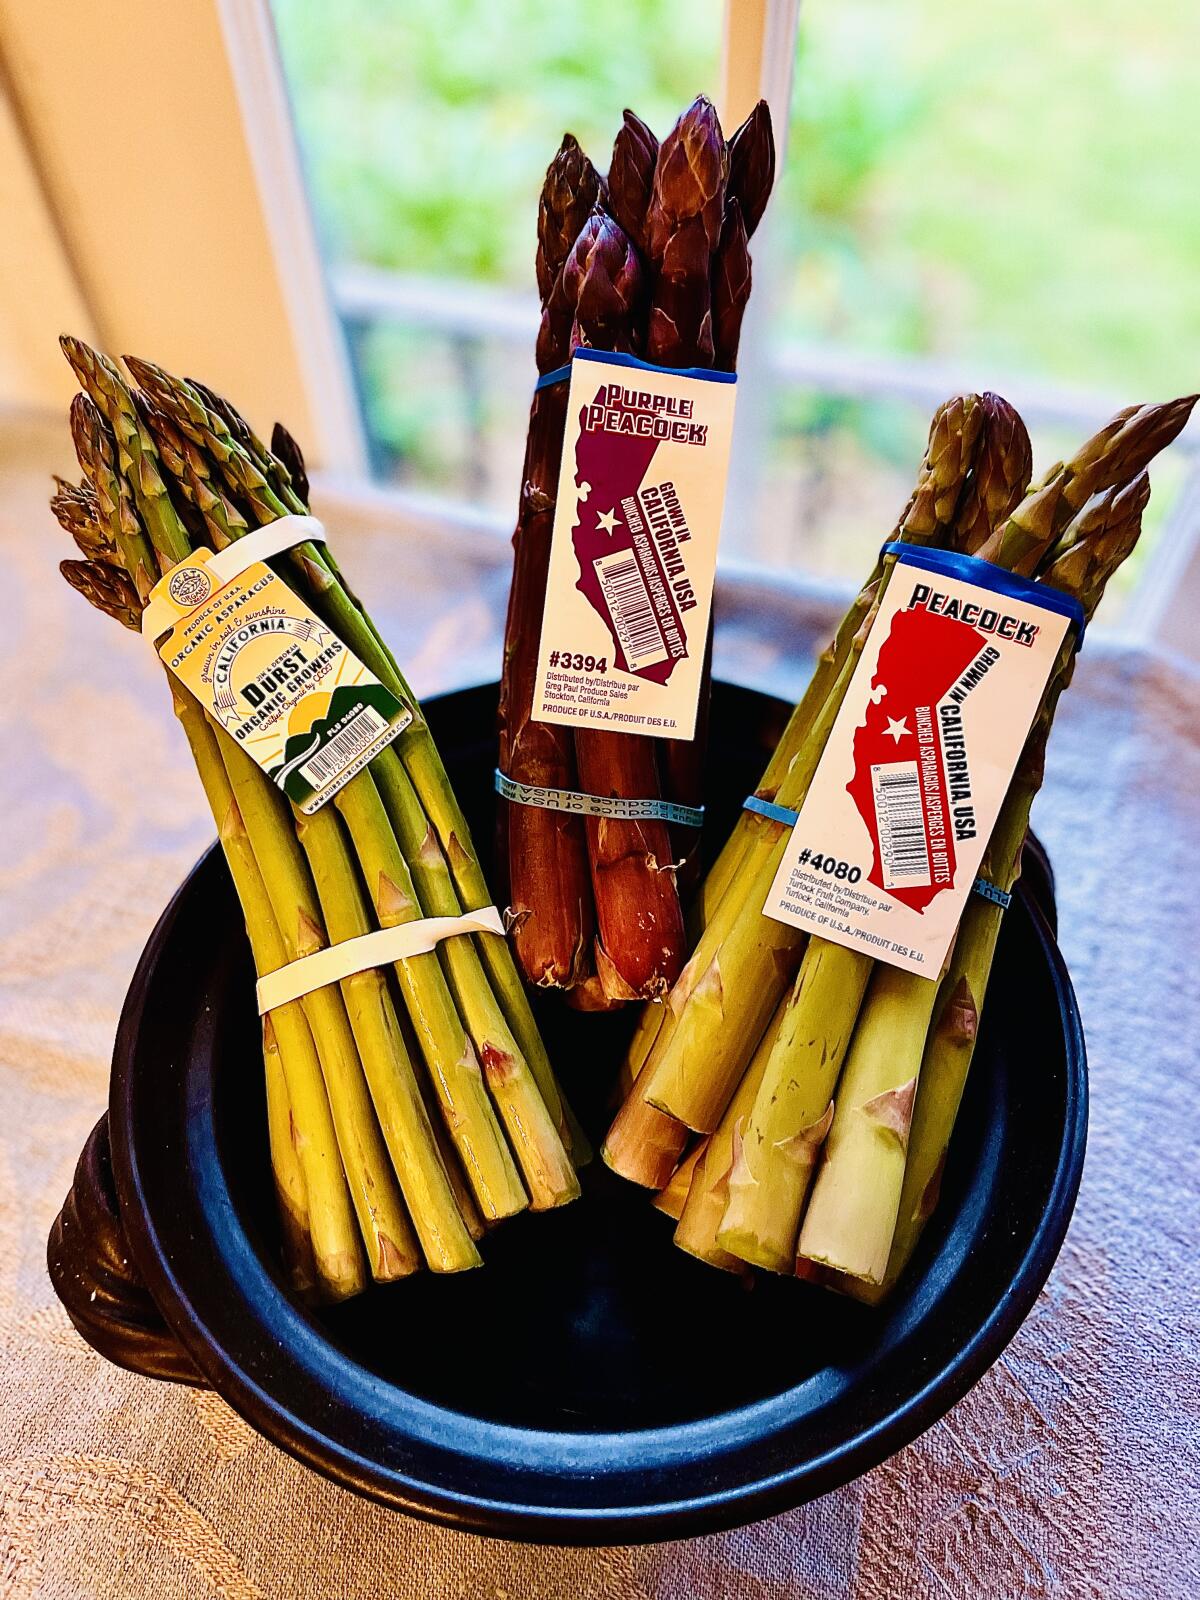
(94, 1275)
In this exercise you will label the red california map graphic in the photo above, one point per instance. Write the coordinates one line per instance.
(922, 658)
(610, 470)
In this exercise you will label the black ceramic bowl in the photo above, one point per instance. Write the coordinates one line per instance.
(592, 1383)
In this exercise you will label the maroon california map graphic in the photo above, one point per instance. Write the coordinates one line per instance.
(629, 538)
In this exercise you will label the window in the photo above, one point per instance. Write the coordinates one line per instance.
(972, 197)
(426, 131)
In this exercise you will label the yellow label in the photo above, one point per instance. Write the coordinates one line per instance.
(275, 676)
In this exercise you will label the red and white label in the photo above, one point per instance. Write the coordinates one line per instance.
(891, 834)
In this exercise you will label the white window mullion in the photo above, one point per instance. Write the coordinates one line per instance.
(758, 54)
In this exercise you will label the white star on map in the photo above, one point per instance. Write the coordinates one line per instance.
(608, 520)
(897, 729)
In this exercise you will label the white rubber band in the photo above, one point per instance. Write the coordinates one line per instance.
(378, 949)
(272, 539)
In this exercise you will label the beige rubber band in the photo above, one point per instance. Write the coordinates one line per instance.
(378, 949)
(272, 539)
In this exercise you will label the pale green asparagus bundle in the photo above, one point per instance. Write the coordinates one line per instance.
(435, 1114)
(836, 1081)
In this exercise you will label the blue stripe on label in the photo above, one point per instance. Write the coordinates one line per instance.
(594, 805)
(970, 569)
(784, 814)
(618, 359)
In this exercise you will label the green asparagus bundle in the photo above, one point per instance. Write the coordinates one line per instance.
(405, 1111)
(827, 1099)
(654, 263)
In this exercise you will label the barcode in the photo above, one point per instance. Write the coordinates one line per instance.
(902, 847)
(629, 607)
(331, 761)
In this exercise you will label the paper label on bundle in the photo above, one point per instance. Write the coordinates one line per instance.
(634, 547)
(276, 678)
(892, 831)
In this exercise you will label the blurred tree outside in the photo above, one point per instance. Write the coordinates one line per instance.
(1008, 189)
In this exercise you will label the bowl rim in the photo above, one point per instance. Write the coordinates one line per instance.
(712, 1512)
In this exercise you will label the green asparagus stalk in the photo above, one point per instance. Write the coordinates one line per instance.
(288, 1044)
(337, 1257)
(291, 1191)
(536, 1140)
(107, 588)
(671, 1200)
(852, 1210)
(745, 961)
(449, 1055)
(309, 569)
(792, 1111)
(708, 1193)
(367, 1019)
(1090, 550)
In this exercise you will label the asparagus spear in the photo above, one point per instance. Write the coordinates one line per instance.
(671, 1200)
(639, 947)
(683, 232)
(851, 1212)
(337, 1257)
(731, 287)
(107, 588)
(685, 223)
(631, 177)
(290, 1055)
(290, 457)
(316, 575)
(552, 922)
(752, 165)
(851, 1218)
(744, 960)
(1000, 474)
(367, 1003)
(291, 1191)
(793, 1107)
(1090, 550)
(77, 512)
(709, 1190)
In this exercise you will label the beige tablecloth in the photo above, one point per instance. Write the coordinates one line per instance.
(1071, 1470)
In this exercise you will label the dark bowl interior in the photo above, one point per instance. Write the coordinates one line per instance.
(592, 1383)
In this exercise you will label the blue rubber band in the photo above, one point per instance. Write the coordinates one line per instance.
(548, 379)
(784, 814)
(768, 808)
(970, 569)
(992, 892)
(593, 805)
